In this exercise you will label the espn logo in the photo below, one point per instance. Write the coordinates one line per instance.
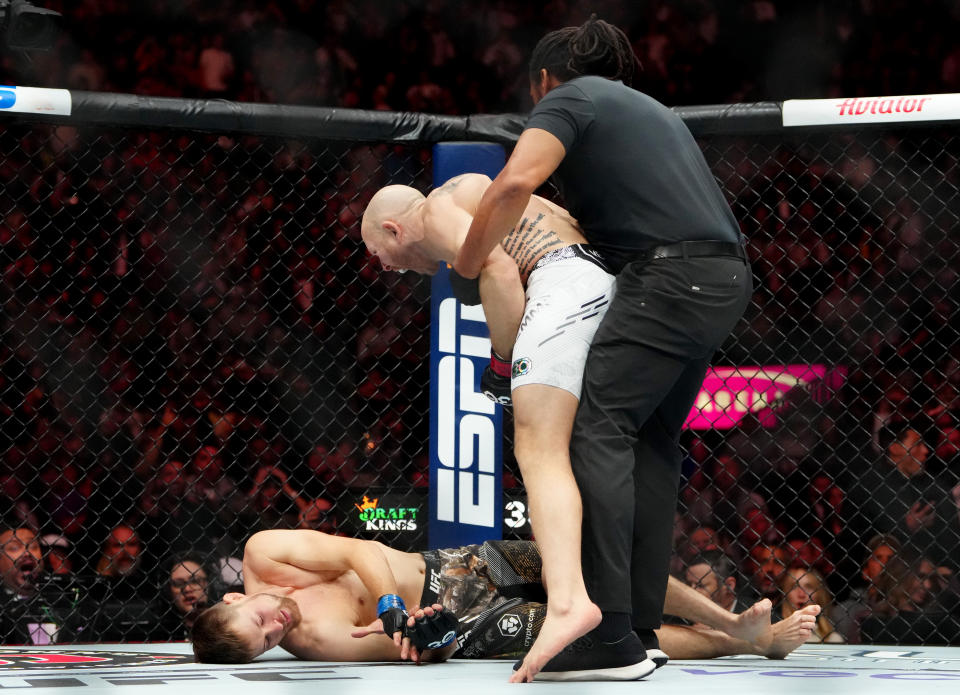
(466, 430)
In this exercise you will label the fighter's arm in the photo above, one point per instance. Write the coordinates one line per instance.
(501, 290)
(536, 156)
(282, 557)
(331, 638)
(503, 299)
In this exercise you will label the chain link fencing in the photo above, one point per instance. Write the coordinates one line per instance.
(195, 347)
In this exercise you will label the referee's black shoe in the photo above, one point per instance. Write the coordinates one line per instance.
(590, 659)
(652, 646)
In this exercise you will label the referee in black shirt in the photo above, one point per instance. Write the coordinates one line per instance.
(633, 176)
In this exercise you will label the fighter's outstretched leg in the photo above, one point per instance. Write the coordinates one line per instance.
(774, 641)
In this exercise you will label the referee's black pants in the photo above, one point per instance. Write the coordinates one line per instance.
(644, 370)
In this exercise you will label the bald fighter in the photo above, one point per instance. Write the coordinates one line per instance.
(544, 292)
(327, 598)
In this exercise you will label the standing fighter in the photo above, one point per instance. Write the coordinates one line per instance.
(567, 292)
(315, 595)
(636, 181)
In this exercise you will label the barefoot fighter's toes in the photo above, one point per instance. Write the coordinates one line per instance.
(790, 633)
(753, 625)
(560, 628)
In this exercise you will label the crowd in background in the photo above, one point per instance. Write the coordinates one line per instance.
(195, 346)
(444, 56)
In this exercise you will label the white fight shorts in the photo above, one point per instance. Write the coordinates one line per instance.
(568, 292)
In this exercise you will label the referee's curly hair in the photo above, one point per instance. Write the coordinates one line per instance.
(595, 47)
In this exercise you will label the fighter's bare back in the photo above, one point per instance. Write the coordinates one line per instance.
(543, 226)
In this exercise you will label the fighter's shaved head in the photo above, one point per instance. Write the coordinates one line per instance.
(389, 203)
(393, 230)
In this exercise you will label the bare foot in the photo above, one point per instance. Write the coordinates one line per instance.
(753, 625)
(791, 632)
(560, 628)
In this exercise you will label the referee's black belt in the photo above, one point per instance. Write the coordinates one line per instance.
(692, 249)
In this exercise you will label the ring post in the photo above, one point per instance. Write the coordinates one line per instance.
(466, 432)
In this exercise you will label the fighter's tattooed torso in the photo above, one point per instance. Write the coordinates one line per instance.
(543, 227)
(537, 232)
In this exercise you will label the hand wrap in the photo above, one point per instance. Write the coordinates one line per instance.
(393, 614)
(433, 632)
(495, 381)
(466, 290)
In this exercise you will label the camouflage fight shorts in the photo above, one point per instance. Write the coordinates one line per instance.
(496, 592)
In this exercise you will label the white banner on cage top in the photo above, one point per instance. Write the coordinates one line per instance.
(56, 102)
(916, 107)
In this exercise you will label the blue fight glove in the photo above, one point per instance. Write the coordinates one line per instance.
(393, 614)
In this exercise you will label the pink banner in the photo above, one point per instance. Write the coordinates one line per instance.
(728, 394)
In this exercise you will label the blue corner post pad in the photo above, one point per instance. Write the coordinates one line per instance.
(466, 430)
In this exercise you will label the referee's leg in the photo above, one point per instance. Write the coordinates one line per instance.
(656, 478)
(624, 386)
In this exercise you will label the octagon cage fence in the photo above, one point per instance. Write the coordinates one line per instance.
(195, 346)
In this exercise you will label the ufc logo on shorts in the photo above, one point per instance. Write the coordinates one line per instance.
(434, 581)
(466, 433)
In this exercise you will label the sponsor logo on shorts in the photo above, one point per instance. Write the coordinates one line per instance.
(434, 581)
(528, 635)
(528, 315)
(463, 643)
(443, 641)
(510, 624)
(377, 518)
(521, 366)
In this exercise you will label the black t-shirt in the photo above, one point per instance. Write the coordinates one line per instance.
(633, 175)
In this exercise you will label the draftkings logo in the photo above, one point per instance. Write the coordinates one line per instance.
(27, 659)
(376, 518)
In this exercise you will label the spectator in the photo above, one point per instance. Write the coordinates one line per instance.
(185, 593)
(716, 495)
(216, 66)
(801, 587)
(822, 516)
(897, 495)
(275, 502)
(174, 521)
(319, 515)
(714, 575)
(119, 567)
(766, 565)
(56, 554)
(808, 553)
(21, 560)
(757, 524)
(691, 540)
(21, 564)
(851, 612)
(123, 593)
(209, 484)
(904, 610)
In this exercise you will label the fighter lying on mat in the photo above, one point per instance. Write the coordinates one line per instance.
(315, 595)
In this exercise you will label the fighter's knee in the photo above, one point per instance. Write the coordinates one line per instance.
(533, 442)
